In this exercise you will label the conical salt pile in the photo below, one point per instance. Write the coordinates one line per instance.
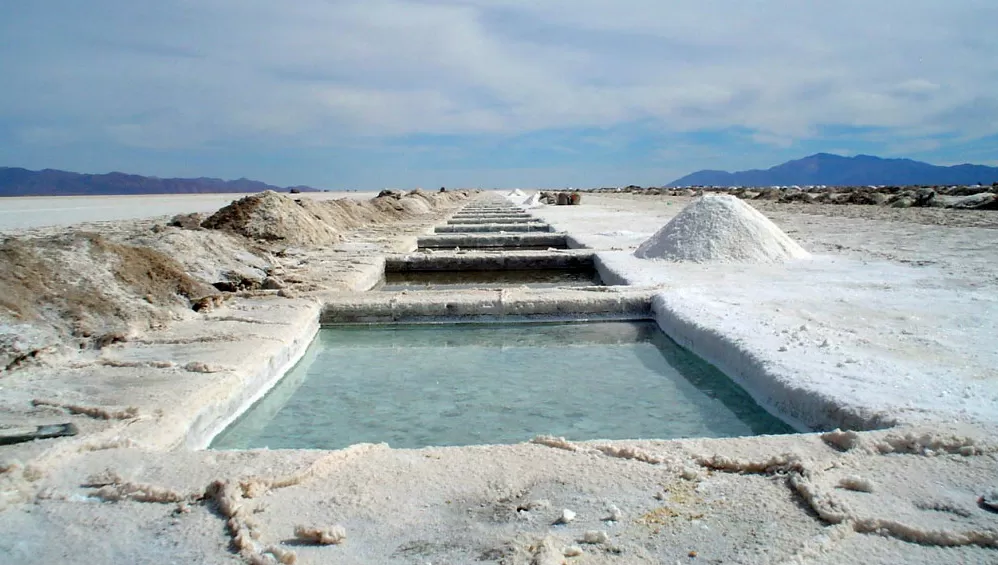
(721, 229)
(532, 200)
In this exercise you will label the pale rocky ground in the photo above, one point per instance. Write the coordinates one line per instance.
(129, 489)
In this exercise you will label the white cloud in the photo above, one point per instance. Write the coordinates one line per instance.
(916, 87)
(314, 72)
(913, 146)
(772, 139)
(45, 135)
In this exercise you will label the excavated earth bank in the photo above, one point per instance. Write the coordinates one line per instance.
(151, 335)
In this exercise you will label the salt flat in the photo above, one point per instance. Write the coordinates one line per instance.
(891, 319)
(907, 312)
(21, 212)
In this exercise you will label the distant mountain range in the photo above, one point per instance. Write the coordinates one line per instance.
(50, 182)
(835, 170)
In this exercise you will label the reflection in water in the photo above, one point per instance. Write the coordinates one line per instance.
(420, 385)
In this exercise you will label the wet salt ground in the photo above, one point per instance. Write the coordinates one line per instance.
(485, 384)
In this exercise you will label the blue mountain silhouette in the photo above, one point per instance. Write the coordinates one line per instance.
(861, 170)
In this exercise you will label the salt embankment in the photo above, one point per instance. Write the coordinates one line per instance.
(64, 291)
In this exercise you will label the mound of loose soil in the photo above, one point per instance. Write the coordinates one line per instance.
(210, 256)
(274, 217)
(81, 288)
(76, 289)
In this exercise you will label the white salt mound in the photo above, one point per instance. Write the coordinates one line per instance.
(517, 193)
(721, 229)
(532, 200)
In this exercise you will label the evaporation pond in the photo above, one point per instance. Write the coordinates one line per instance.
(454, 280)
(431, 385)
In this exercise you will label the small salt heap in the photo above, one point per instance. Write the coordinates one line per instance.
(721, 229)
(532, 200)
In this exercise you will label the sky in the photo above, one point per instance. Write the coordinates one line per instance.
(367, 94)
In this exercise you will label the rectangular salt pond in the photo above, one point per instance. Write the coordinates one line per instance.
(455, 280)
(414, 386)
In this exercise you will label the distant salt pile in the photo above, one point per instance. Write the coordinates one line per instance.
(721, 229)
(532, 200)
(517, 193)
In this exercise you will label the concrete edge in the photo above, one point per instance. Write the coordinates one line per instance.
(504, 260)
(805, 410)
(485, 305)
(214, 418)
(606, 274)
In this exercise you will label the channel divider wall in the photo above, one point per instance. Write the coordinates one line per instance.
(488, 305)
(772, 387)
(769, 384)
(214, 418)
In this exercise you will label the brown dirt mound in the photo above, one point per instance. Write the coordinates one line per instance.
(81, 288)
(77, 289)
(159, 279)
(353, 213)
(276, 218)
(209, 256)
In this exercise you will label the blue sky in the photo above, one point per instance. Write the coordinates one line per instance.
(375, 93)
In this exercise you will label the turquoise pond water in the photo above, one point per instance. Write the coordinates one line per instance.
(463, 384)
